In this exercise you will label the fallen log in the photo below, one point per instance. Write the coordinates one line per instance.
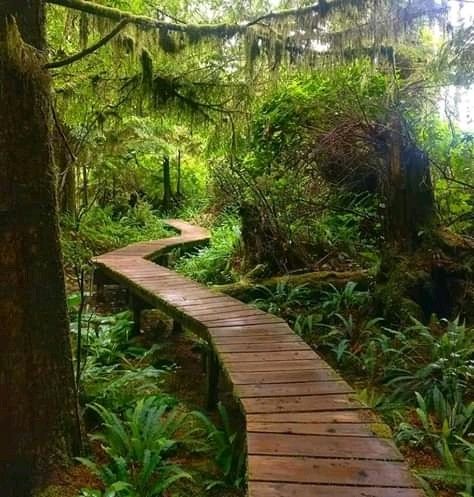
(317, 281)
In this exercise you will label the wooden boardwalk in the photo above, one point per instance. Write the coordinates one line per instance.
(306, 434)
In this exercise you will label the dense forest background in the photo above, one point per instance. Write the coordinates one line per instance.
(329, 148)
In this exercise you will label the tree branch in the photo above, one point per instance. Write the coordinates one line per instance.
(217, 29)
(87, 51)
(148, 22)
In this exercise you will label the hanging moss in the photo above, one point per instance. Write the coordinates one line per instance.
(194, 36)
(147, 69)
(127, 43)
(84, 30)
(277, 53)
(253, 47)
(167, 42)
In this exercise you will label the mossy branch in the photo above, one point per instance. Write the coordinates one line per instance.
(217, 29)
(146, 22)
(87, 51)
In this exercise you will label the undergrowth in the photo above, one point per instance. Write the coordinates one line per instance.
(144, 439)
(214, 264)
(99, 230)
(419, 377)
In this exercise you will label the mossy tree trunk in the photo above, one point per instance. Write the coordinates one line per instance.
(408, 189)
(39, 420)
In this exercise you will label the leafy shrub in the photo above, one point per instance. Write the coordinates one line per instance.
(107, 337)
(336, 301)
(213, 264)
(138, 449)
(440, 358)
(444, 424)
(284, 299)
(115, 371)
(228, 448)
(99, 230)
(117, 386)
(458, 472)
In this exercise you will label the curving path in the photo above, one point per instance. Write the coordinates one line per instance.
(306, 434)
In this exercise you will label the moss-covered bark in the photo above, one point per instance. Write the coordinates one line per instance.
(39, 422)
(436, 278)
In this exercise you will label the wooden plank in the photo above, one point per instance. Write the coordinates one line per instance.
(292, 355)
(274, 489)
(176, 297)
(293, 389)
(169, 286)
(222, 315)
(216, 300)
(228, 322)
(220, 307)
(262, 347)
(278, 336)
(322, 446)
(299, 404)
(159, 278)
(355, 416)
(269, 377)
(267, 330)
(304, 365)
(249, 327)
(331, 429)
(249, 339)
(329, 471)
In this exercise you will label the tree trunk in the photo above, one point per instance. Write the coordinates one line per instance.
(178, 181)
(408, 189)
(167, 194)
(39, 421)
(85, 184)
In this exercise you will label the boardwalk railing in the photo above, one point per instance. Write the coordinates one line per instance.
(307, 435)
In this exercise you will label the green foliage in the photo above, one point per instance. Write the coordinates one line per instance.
(138, 449)
(116, 370)
(444, 428)
(117, 386)
(346, 299)
(306, 182)
(213, 264)
(228, 448)
(440, 358)
(443, 424)
(284, 299)
(107, 337)
(100, 230)
(457, 472)
(451, 151)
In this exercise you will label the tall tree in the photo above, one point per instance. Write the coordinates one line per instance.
(39, 421)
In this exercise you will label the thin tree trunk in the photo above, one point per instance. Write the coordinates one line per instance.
(178, 181)
(66, 172)
(85, 185)
(39, 420)
(167, 194)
